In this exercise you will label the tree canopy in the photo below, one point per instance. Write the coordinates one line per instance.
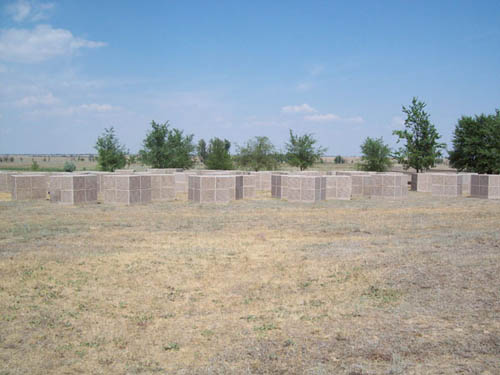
(422, 148)
(164, 147)
(376, 156)
(258, 154)
(301, 151)
(218, 156)
(111, 154)
(476, 144)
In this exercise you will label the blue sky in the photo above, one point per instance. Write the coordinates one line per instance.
(238, 69)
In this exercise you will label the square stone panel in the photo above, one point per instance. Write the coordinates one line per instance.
(135, 196)
(207, 183)
(307, 195)
(109, 196)
(145, 195)
(79, 196)
(145, 182)
(91, 195)
(122, 196)
(207, 196)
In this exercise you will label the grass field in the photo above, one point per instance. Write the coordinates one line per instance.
(263, 286)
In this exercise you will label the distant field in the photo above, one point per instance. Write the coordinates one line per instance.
(56, 163)
(252, 287)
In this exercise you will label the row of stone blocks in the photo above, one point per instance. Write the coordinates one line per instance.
(220, 188)
(485, 186)
(310, 188)
(73, 189)
(454, 185)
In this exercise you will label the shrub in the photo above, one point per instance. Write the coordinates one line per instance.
(69, 166)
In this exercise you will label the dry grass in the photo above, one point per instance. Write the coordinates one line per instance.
(360, 287)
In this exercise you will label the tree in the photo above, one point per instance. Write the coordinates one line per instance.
(339, 160)
(476, 144)
(202, 150)
(258, 154)
(167, 148)
(422, 147)
(376, 156)
(218, 156)
(111, 154)
(301, 152)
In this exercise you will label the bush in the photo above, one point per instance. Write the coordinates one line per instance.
(218, 156)
(376, 155)
(69, 166)
(258, 154)
(339, 160)
(35, 166)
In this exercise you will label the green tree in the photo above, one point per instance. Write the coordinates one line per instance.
(376, 156)
(258, 154)
(167, 148)
(218, 156)
(110, 154)
(339, 160)
(476, 144)
(202, 150)
(301, 152)
(422, 147)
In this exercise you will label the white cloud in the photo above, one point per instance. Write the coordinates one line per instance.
(330, 117)
(302, 108)
(39, 44)
(322, 118)
(35, 100)
(23, 10)
(94, 107)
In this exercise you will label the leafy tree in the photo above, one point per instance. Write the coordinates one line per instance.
(111, 154)
(301, 152)
(339, 160)
(258, 154)
(167, 148)
(422, 147)
(376, 155)
(476, 144)
(218, 156)
(69, 166)
(202, 150)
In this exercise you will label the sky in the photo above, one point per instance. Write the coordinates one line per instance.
(340, 70)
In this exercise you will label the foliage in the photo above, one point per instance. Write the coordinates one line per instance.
(202, 150)
(258, 154)
(35, 166)
(376, 156)
(301, 152)
(131, 159)
(476, 144)
(422, 147)
(110, 154)
(339, 160)
(69, 166)
(218, 156)
(167, 148)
